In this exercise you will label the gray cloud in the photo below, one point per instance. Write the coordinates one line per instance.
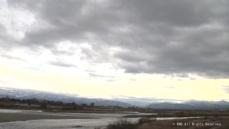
(61, 64)
(11, 57)
(155, 36)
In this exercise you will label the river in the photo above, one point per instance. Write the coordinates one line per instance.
(77, 121)
(36, 119)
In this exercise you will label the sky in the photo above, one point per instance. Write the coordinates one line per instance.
(159, 49)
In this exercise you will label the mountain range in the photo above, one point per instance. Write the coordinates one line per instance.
(31, 94)
(192, 105)
(119, 101)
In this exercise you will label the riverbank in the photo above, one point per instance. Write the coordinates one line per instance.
(191, 123)
(197, 123)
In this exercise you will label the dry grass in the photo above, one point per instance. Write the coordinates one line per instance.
(203, 123)
(122, 124)
(200, 123)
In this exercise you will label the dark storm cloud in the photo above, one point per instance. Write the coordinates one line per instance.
(156, 36)
(69, 20)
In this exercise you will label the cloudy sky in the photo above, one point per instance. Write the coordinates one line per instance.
(163, 49)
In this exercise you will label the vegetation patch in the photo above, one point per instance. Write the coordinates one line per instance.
(123, 124)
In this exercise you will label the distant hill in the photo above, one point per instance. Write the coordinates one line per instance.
(121, 101)
(139, 102)
(192, 105)
(30, 94)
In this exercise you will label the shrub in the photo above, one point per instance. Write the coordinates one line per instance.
(122, 124)
(144, 120)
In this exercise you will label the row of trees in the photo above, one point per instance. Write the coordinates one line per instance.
(44, 104)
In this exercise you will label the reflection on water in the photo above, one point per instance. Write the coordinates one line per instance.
(9, 111)
(175, 118)
(17, 111)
